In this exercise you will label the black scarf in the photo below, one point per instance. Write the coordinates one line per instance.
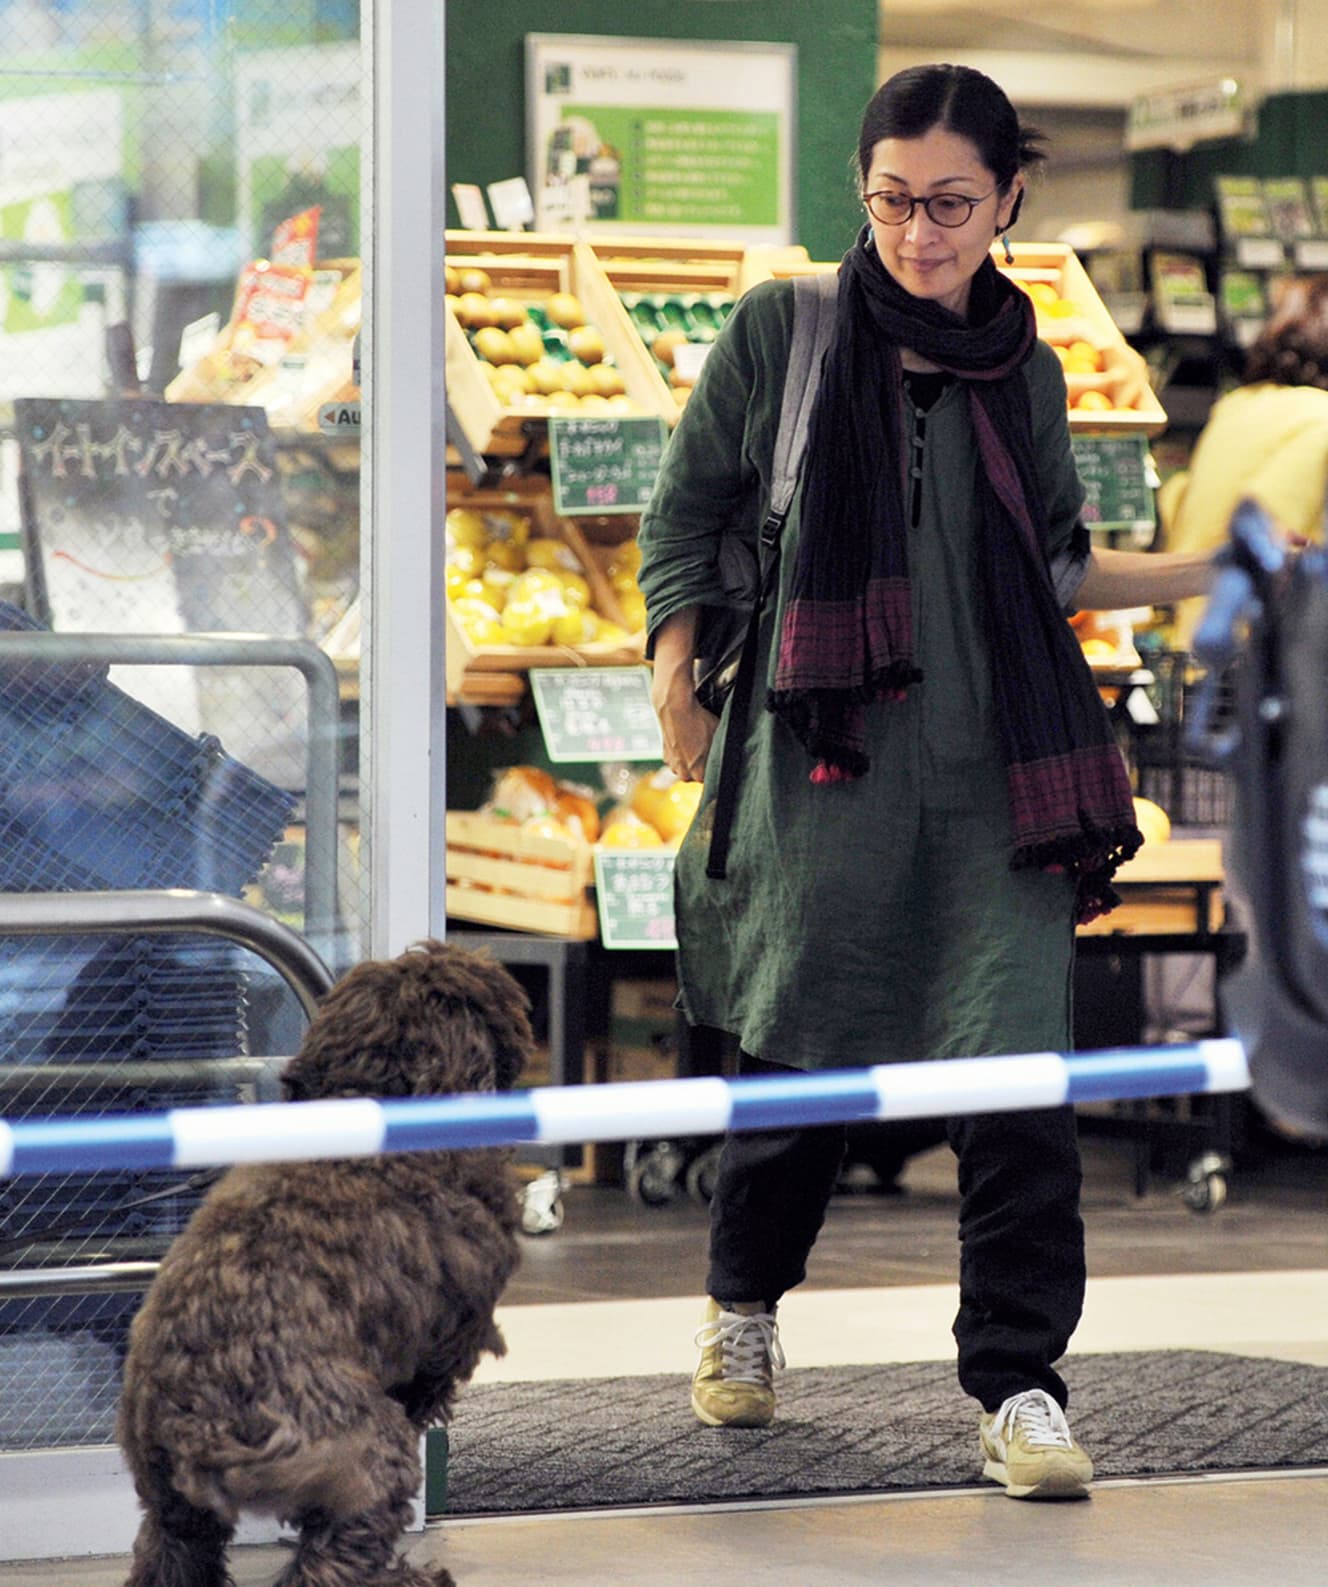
(846, 638)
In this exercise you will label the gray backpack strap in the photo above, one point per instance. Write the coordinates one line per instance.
(813, 328)
(814, 301)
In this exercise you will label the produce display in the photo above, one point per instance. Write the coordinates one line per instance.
(510, 586)
(540, 355)
(1102, 373)
(654, 812)
(666, 321)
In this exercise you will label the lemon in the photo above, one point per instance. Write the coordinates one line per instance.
(508, 313)
(536, 584)
(527, 343)
(576, 590)
(627, 831)
(586, 343)
(546, 375)
(504, 554)
(633, 608)
(1152, 820)
(454, 580)
(575, 627)
(465, 527)
(494, 344)
(469, 560)
(608, 380)
(525, 623)
(564, 308)
(545, 552)
(676, 809)
(496, 584)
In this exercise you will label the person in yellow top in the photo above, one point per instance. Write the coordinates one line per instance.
(1267, 440)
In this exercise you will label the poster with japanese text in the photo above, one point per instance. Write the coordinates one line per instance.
(156, 518)
(656, 136)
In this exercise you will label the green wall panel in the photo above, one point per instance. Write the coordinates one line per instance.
(836, 75)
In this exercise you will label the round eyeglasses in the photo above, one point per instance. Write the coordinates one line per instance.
(943, 209)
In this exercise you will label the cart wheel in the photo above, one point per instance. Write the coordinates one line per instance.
(1205, 1188)
(653, 1173)
(701, 1174)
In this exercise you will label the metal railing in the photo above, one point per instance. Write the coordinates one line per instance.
(251, 650)
(173, 911)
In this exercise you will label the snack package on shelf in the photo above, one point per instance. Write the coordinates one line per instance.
(288, 346)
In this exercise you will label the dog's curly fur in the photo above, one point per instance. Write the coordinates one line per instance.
(313, 1318)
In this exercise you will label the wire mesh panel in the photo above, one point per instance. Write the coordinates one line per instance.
(180, 296)
(99, 793)
(1192, 791)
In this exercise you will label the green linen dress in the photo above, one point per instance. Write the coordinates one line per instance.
(878, 920)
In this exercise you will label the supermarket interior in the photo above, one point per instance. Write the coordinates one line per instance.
(342, 347)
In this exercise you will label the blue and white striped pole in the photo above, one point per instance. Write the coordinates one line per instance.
(189, 1138)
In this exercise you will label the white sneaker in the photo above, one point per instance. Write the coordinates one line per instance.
(733, 1385)
(1027, 1447)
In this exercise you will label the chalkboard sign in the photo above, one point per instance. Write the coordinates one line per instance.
(634, 891)
(1118, 484)
(596, 713)
(145, 517)
(604, 465)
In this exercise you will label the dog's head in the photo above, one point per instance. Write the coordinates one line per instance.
(435, 1019)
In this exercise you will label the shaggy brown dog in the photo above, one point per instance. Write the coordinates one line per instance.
(313, 1318)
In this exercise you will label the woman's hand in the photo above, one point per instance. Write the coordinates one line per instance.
(686, 726)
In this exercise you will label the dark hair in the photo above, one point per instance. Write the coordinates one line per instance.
(959, 100)
(1292, 348)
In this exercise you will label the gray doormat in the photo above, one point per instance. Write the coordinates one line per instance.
(573, 1444)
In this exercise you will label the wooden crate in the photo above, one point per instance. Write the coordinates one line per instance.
(655, 264)
(469, 668)
(1059, 266)
(500, 875)
(530, 267)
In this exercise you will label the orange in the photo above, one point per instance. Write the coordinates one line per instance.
(1094, 401)
(578, 810)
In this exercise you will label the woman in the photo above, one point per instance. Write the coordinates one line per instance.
(931, 796)
(1267, 440)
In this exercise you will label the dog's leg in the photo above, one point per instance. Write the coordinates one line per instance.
(179, 1545)
(360, 1551)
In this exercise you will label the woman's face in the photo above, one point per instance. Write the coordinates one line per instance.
(926, 259)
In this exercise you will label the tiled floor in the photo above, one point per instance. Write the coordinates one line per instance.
(616, 1288)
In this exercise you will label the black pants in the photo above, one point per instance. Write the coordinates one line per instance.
(1021, 1239)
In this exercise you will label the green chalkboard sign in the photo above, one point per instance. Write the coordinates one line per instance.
(1118, 482)
(596, 713)
(634, 891)
(604, 465)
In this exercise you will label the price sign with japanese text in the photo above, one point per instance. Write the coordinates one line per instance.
(604, 465)
(596, 713)
(634, 891)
